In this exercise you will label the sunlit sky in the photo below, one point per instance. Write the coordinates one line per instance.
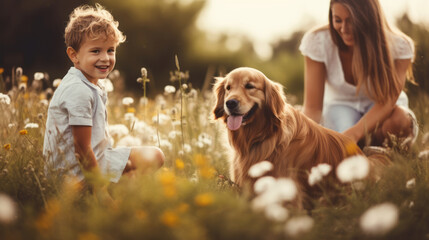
(264, 21)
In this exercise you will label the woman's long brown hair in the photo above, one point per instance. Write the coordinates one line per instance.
(373, 66)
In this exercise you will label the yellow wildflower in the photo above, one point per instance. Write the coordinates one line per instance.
(23, 132)
(180, 164)
(6, 146)
(140, 214)
(183, 207)
(204, 199)
(131, 110)
(169, 219)
(200, 160)
(169, 191)
(24, 78)
(167, 178)
(45, 221)
(72, 184)
(352, 148)
(1, 70)
(88, 236)
(207, 172)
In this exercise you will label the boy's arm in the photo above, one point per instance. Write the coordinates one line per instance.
(82, 144)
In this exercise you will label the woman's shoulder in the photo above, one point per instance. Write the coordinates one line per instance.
(315, 43)
(402, 46)
(320, 31)
(319, 34)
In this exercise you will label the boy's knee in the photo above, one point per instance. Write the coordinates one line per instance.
(399, 123)
(159, 156)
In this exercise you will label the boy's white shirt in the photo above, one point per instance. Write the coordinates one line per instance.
(77, 102)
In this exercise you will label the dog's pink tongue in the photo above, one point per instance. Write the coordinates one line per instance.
(234, 122)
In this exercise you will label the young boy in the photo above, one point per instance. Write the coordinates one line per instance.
(76, 128)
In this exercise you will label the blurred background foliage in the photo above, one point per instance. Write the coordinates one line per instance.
(157, 30)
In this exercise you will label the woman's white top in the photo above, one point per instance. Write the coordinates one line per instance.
(318, 46)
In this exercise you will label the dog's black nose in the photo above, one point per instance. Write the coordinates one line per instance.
(231, 104)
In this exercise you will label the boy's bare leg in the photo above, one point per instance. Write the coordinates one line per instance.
(144, 159)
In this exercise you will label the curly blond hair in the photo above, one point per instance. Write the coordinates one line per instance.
(93, 23)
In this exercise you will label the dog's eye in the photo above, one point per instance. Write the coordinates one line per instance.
(228, 87)
(249, 86)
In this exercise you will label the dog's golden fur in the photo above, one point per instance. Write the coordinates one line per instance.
(275, 132)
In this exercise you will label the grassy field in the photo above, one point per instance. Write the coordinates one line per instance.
(191, 196)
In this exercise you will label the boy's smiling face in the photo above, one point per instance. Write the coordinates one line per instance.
(95, 58)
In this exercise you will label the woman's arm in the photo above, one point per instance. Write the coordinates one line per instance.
(314, 87)
(379, 112)
(82, 144)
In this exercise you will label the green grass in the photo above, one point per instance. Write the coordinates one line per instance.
(191, 197)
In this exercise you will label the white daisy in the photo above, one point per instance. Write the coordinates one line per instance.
(106, 84)
(31, 125)
(129, 116)
(318, 172)
(276, 212)
(127, 101)
(143, 101)
(410, 183)
(169, 89)
(165, 144)
(5, 99)
(263, 183)
(205, 138)
(260, 168)
(44, 102)
(286, 189)
(7, 209)
(353, 168)
(379, 219)
(161, 119)
(422, 155)
(56, 82)
(187, 148)
(144, 131)
(298, 225)
(174, 134)
(118, 130)
(144, 72)
(283, 189)
(38, 76)
(129, 141)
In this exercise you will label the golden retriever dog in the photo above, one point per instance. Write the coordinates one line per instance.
(263, 126)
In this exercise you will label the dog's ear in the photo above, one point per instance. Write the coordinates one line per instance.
(219, 92)
(274, 98)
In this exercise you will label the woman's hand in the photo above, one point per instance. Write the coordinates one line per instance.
(373, 118)
(353, 134)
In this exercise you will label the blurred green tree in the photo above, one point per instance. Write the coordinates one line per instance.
(156, 31)
(420, 34)
(32, 35)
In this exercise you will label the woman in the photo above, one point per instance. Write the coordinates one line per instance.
(355, 71)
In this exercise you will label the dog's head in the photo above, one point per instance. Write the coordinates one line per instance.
(243, 93)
